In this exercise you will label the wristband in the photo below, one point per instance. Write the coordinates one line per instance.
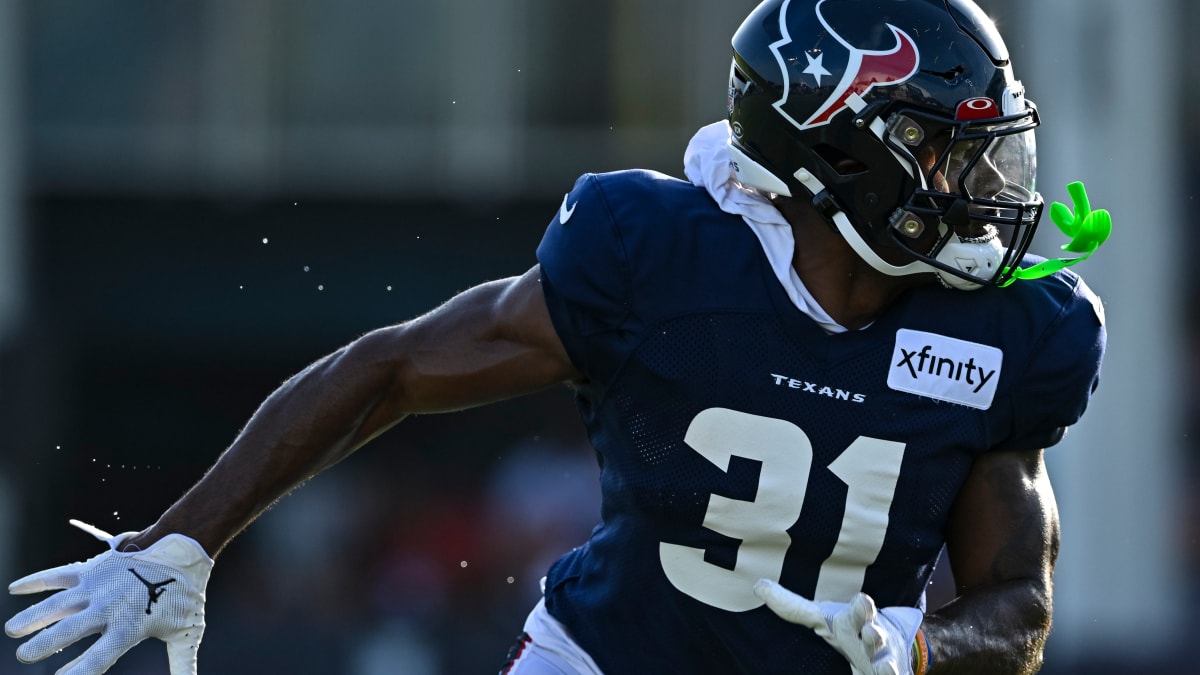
(922, 660)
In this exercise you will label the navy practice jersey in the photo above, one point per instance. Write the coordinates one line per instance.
(738, 441)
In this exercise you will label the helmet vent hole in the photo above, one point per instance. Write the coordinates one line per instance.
(842, 163)
(948, 75)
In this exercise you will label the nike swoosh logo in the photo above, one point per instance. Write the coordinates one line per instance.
(564, 213)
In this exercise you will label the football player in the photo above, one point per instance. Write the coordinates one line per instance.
(806, 369)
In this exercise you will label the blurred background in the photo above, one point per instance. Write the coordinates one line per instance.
(199, 197)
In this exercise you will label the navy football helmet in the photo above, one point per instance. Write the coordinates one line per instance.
(903, 123)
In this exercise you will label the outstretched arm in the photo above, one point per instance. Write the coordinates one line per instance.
(492, 342)
(1002, 542)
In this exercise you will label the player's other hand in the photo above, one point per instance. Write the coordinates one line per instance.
(125, 597)
(874, 641)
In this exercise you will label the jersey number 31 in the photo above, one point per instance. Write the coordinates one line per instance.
(869, 468)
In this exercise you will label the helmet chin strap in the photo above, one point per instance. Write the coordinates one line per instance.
(852, 237)
(967, 255)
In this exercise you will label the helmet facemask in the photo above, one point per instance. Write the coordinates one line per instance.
(977, 193)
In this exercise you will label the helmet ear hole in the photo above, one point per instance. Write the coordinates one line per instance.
(842, 163)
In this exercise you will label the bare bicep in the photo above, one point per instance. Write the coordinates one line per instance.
(1004, 526)
(492, 342)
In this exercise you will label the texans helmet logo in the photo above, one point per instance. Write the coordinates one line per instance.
(865, 69)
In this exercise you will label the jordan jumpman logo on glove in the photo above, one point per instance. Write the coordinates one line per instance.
(126, 597)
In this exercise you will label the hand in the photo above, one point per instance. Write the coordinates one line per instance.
(875, 642)
(126, 597)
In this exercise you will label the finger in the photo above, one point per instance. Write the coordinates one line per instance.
(58, 578)
(860, 612)
(70, 664)
(91, 529)
(60, 636)
(182, 656)
(789, 606)
(863, 608)
(873, 638)
(46, 612)
(100, 656)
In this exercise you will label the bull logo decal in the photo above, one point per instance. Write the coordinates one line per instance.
(865, 69)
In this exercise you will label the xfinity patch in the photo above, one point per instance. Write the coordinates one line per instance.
(944, 368)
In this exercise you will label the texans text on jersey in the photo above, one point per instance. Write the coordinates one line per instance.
(814, 388)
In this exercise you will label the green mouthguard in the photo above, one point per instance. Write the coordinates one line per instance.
(1087, 229)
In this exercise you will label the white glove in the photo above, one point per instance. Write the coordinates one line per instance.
(125, 597)
(875, 642)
